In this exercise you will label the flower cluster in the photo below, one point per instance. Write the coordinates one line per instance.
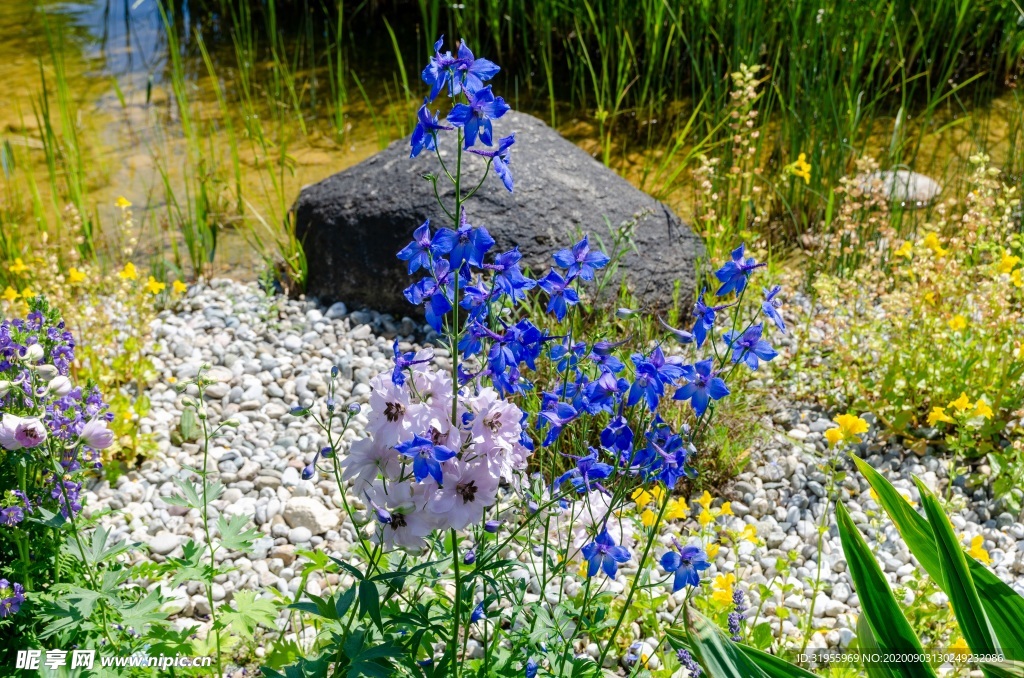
(55, 427)
(11, 598)
(419, 471)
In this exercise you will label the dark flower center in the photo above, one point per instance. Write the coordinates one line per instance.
(394, 411)
(435, 436)
(398, 521)
(493, 422)
(467, 491)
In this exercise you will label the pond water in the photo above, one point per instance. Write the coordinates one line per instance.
(109, 73)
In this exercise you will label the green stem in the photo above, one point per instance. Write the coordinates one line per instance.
(206, 529)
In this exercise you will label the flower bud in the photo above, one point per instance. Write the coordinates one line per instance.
(326, 452)
(33, 353)
(492, 526)
(5, 387)
(470, 557)
(382, 515)
(96, 435)
(353, 408)
(60, 386)
(47, 372)
(308, 472)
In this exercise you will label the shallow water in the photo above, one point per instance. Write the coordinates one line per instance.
(129, 123)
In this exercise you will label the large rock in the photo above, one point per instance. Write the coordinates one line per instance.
(311, 514)
(353, 223)
(903, 187)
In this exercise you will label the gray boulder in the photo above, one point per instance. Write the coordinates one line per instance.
(353, 223)
(903, 187)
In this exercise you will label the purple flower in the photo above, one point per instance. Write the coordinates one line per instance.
(402, 362)
(440, 71)
(97, 435)
(704, 386)
(423, 249)
(603, 554)
(468, 244)
(705, 316)
(17, 432)
(500, 158)
(11, 598)
(507, 276)
(580, 260)
(687, 564)
(587, 472)
(492, 526)
(470, 557)
(308, 471)
(476, 116)
(734, 274)
(434, 292)
(617, 435)
(474, 72)
(749, 346)
(426, 457)
(770, 306)
(557, 414)
(11, 516)
(562, 296)
(689, 663)
(736, 616)
(424, 135)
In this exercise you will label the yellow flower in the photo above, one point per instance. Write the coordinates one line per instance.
(172, 380)
(977, 550)
(179, 287)
(676, 509)
(727, 509)
(582, 569)
(27, 293)
(962, 403)
(705, 518)
(648, 517)
(904, 250)
(850, 427)
(18, 266)
(721, 588)
(801, 168)
(960, 648)
(128, 272)
(705, 500)
(10, 294)
(1016, 278)
(154, 286)
(657, 492)
(75, 276)
(642, 497)
(957, 323)
(749, 533)
(122, 202)
(1007, 263)
(982, 409)
(930, 297)
(931, 241)
(939, 414)
(712, 551)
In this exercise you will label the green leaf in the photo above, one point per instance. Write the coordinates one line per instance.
(1003, 606)
(250, 611)
(888, 625)
(369, 602)
(234, 536)
(869, 646)
(773, 666)
(1003, 669)
(719, 656)
(957, 580)
(96, 550)
(143, 613)
(189, 430)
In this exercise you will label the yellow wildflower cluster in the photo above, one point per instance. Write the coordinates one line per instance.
(801, 168)
(848, 430)
(962, 407)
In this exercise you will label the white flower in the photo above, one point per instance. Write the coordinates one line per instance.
(60, 386)
(96, 435)
(17, 432)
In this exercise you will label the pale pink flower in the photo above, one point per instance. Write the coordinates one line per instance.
(409, 524)
(366, 460)
(96, 435)
(468, 489)
(17, 432)
(388, 405)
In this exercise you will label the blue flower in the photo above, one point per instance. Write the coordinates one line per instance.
(420, 252)
(734, 274)
(531, 668)
(474, 72)
(12, 515)
(426, 457)
(601, 353)
(440, 71)
(770, 306)
(652, 375)
(749, 346)
(588, 470)
(434, 292)
(403, 361)
(602, 394)
(705, 316)
(507, 276)
(561, 294)
(557, 414)
(617, 435)
(705, 385)
(500, 158)
(580, 260)
(475, 299)
(477, 614)
(424, 134)
(476, 116)
(687, 564)
(468, 244)
(672, 462)
(603, 554)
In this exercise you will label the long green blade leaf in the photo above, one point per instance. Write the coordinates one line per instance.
(888, 625)
(869, 647)
(1003, 606)
(773, 666)
(957, 580)
(719, 656)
